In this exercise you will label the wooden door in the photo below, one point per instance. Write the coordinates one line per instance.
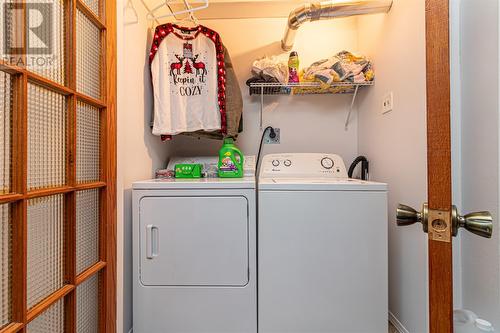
(57, 166)
(439, 165)
(439, 216)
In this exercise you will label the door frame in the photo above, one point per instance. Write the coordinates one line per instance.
(440, 277)
(109, 243)
(20, 194)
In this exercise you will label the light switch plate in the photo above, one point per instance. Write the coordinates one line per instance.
(388, 102)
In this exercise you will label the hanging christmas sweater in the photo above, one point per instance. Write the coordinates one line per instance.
(188, 75)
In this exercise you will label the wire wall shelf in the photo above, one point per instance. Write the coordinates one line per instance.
(307, 88)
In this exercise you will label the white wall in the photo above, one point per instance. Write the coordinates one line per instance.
(396, 146)
(395, 143)
(308, 123)
(480, 153)
(139, 152)
(456, 141)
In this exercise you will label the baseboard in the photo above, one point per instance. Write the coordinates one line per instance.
(397, 324)
(392, 319)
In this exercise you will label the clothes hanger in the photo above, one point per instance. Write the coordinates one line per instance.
(188, 10)
(188, 22)
(129, 8)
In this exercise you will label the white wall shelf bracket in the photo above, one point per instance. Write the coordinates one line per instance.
(307, 88)
(261, 117)
(351, 108)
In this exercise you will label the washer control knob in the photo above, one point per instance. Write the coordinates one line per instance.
(275, 163)
(327, 163)
(287, 163)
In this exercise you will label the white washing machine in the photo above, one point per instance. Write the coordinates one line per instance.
(195, 256)
(322, 248)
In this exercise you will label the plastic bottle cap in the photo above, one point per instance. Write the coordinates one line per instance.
(484, 325)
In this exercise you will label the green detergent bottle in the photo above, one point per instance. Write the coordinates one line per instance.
(230, 160)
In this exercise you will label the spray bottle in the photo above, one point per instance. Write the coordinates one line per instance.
(293, 68)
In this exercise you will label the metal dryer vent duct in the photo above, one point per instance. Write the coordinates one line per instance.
(327, 10)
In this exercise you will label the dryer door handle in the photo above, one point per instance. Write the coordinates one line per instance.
(152, 241)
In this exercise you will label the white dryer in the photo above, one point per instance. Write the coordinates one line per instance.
(322, 248)
(195, 256)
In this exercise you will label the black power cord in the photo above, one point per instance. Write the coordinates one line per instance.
(364, 167)
(272, 135)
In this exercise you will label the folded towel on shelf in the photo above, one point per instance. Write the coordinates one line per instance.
(342, 67)
(270, 70)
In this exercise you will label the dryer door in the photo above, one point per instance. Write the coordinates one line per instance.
(194, 241)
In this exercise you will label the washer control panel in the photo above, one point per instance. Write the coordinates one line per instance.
(303, 165)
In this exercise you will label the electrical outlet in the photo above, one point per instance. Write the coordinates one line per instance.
(272, 141)
(388, 102)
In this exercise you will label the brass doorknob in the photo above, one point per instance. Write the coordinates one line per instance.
(479, 223)
(406, 215)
